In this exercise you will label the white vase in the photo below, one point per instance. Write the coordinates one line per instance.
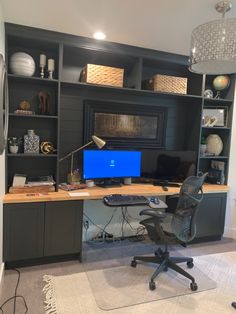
(14, 149)
(214, 144)
(22, 63)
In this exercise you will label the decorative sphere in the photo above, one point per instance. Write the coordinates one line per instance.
(221, 82)
(22, 63)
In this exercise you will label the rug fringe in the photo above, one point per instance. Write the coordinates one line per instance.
(48, 290)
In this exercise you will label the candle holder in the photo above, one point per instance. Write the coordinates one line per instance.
(42, 67)
(42, 64)
(51, 67)
(50, 74)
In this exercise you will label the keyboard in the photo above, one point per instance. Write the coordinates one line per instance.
(125, 200)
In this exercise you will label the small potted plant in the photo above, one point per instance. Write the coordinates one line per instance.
(14, 143)
(203, 146)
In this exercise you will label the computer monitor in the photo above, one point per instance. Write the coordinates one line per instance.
(168, 165)
(111, 164)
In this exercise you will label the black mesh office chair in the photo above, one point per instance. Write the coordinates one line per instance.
(179, 227)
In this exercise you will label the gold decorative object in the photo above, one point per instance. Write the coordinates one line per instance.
(74, 175)
(47, 147)
(24, 105)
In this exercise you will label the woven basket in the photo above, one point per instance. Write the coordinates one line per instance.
(104, 75)
(166, 83)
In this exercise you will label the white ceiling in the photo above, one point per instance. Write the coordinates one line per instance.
(158, 24)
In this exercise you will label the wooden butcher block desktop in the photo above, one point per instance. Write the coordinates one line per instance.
(96, 193)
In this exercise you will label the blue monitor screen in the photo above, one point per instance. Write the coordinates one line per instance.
(111, 164)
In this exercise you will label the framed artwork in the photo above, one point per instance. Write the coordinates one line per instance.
(126, 125)
(215, 117)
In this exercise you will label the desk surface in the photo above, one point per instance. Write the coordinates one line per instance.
(96, 193)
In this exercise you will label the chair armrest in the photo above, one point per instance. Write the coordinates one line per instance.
(153, 213)
(172, 201)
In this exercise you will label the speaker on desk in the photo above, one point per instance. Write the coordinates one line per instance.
(127, 181)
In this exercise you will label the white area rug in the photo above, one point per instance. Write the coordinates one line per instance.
(73, 294)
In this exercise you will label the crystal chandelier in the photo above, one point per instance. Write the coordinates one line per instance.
(213, 45)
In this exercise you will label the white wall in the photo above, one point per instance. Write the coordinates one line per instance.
(2, 157)
(230, 223)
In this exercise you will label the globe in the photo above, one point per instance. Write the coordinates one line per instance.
(221, 82)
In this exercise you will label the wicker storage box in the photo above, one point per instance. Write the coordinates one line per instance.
(166, 83)
(100, 74)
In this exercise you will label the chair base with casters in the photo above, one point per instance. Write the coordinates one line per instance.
(177, 227)
(165, 262)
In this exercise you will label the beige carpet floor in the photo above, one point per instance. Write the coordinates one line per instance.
(75, 294)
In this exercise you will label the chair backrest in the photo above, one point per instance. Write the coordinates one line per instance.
(184, 219)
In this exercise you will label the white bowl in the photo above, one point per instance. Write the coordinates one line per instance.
(22, 63)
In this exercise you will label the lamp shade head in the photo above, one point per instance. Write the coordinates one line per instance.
(98, 141)
(213, 47)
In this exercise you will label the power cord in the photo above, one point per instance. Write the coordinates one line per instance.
(15, 296)
(125, 219)
(102, 229)
(140, 229)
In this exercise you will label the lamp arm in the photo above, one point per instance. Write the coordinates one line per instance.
(74, 151)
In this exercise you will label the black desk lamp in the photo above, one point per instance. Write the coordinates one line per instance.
(100, 144)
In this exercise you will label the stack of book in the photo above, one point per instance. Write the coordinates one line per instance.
(19, 111)
(38, 184)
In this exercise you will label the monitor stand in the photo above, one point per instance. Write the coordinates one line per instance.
(108, 183)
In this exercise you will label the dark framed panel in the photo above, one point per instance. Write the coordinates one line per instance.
(125, 125)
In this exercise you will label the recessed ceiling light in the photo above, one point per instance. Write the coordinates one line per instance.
(99, 35)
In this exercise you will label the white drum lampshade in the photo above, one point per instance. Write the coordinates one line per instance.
(213, 45)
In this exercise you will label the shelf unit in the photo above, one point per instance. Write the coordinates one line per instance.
(224, 102)
(66, 125)
(27, 88)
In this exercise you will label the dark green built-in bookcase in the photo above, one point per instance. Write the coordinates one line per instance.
(67, 124)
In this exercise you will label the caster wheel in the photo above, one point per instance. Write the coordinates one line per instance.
(152, 285)
(133, 263)
(190, 264)
(193, 286)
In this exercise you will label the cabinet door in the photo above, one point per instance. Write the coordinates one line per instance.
(63, 227)
(23, 228)
(211, 216)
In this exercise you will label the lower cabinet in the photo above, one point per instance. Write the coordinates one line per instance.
(23, 231)
(63, 230)
(211, 217)
(40, 230)
(48, 229)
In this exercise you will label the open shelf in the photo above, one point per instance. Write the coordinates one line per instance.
(32, 78)
(36, 116)
(133, 91)
(214, 157)
(32, 155)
